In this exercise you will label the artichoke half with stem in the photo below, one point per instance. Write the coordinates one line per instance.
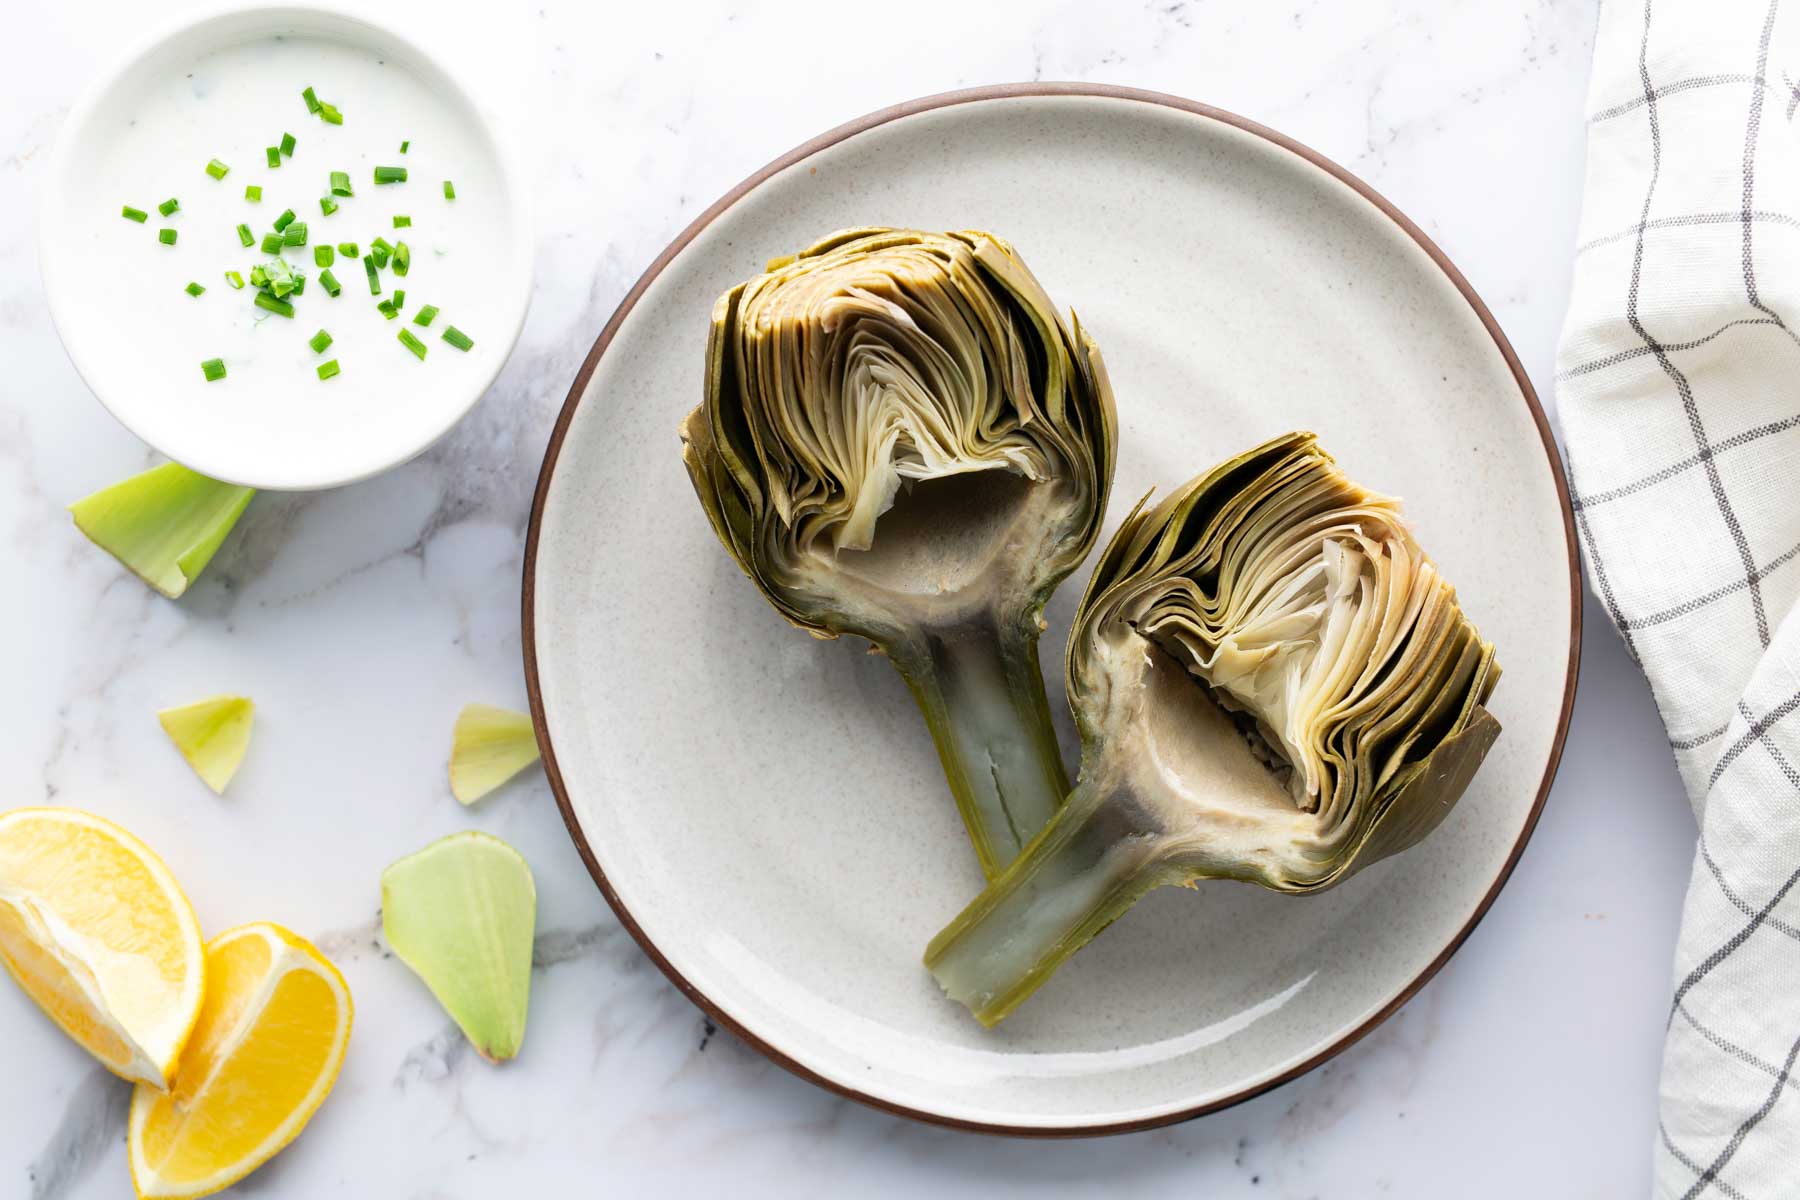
(1272, 683)
(902, 440)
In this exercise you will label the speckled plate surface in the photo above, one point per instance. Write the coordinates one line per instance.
(765, 812)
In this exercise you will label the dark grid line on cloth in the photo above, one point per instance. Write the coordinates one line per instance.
(1693, 460)
(1730, 946)
(1770, 216)
(1597, 568)
(1726, 1046)
(1688, 404)
(1699, 739)
(1729, 1192)
(1710, 1176)
(1670, 89)
(1786, 767)
(1753, 131)
(1752, 734)
(1737, 901)
(1614, 359)
(1718, 593)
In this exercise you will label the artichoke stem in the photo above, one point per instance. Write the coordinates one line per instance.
(982, 693)
(1095, 859)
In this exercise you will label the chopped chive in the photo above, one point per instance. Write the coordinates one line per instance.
(168, 207)
(319, 341)
(330, 114)
(322, 256)
(390, 174)
(374, 279)
(258, 277)
(402, 222)
(299, 285)
(328, 369)
(312, 100)
(457, 337)
(427, 314)
(402, 258)
(253, 193)
(134, 214)
(280, 308)
(213, 369)
(349, 250)
(399, 299)
(340, 183)
(288, 144)
(245, 236)
(327, 205)
(403, 146)
(381, 251)
(284, 220)
(272, 154)
(217, 169)
(271, 243)
(412, 343)
(329, 282)
(166, 236)
(294, 235)
(193, 289)
(449, 190)
(387, 309)
(234, 279)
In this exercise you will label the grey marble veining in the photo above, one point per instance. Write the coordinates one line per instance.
(362, 619)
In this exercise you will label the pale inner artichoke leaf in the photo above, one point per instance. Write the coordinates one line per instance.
(461, 913)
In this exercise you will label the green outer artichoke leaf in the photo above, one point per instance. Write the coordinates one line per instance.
(165, 524)
(488, 747)
(212, 735)
(461, 913)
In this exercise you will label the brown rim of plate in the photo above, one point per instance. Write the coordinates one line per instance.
(831, 138)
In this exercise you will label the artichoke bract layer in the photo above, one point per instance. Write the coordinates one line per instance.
(878, 360)
(902, 439)
(1300, 603)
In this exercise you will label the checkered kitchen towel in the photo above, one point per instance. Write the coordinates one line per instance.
(1678, 384)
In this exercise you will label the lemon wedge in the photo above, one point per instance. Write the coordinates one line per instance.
(99, 934)
(265, 1054)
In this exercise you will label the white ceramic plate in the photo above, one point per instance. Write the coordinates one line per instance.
(765, 812)
(226, 85)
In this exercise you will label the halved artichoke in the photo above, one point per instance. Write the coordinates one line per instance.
(1272, 684)
(902, 440)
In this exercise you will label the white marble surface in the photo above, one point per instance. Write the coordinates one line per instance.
(362, 619)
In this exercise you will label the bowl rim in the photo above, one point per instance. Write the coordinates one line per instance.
(58, 293)
(831, 138)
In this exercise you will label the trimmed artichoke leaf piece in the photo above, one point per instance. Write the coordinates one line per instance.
(488, 747)
(1273, 684)
(901, 439)
(165, 524)
(461, 913)
(212, 735)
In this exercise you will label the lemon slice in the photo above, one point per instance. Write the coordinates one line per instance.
(97, 931)
(264, 1056)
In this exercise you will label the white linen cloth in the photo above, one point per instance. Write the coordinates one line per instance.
(1678, 385)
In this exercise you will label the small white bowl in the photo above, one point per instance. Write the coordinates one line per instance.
(225, 85)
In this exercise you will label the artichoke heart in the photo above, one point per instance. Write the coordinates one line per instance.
(901, 439)
(1273, 684)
